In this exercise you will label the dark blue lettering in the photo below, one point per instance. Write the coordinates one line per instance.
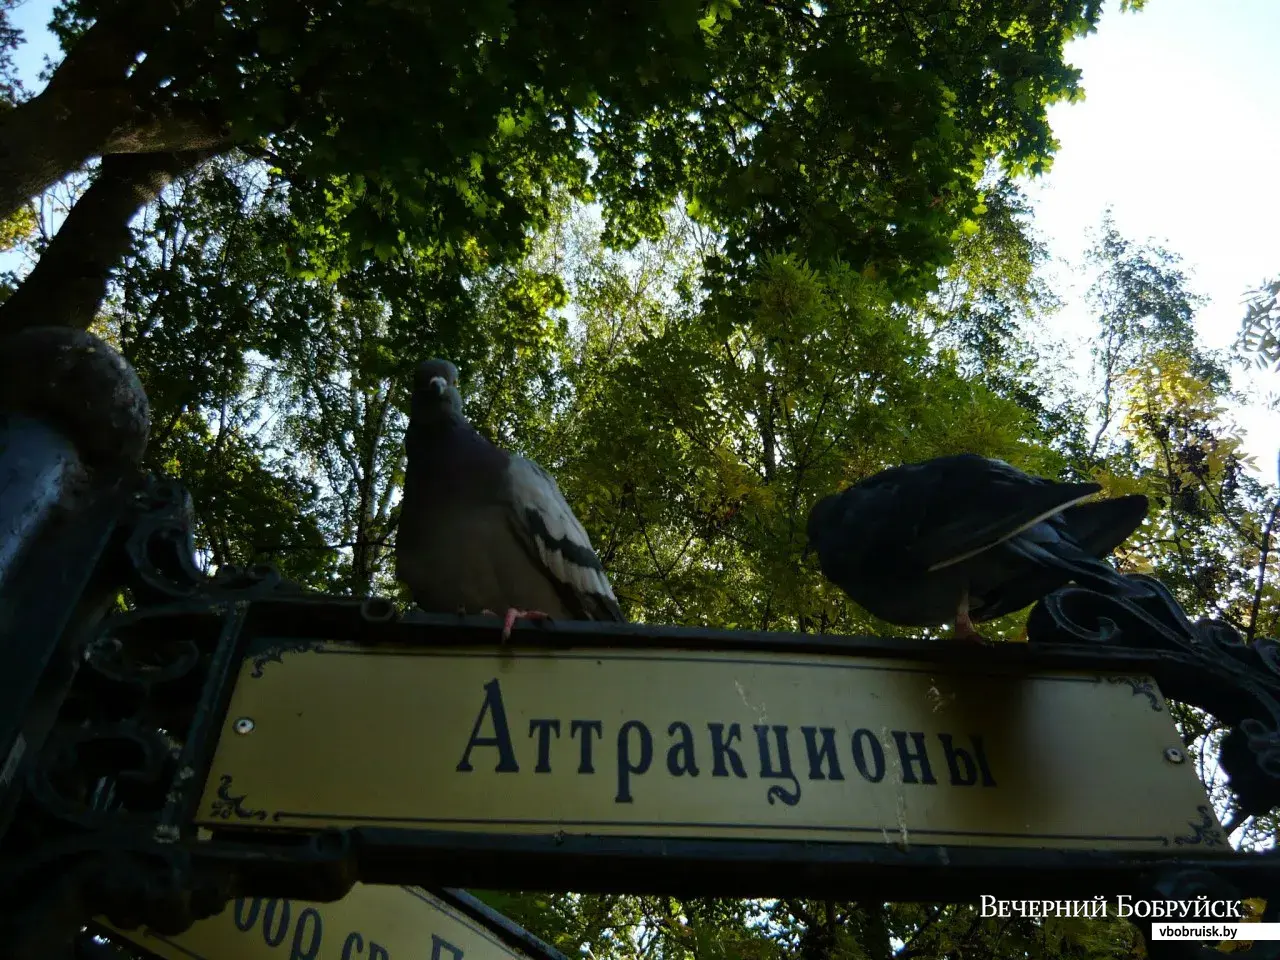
(501, 733)
(721, 748)
(274, 939)
(625, 766)
(317, 933)
(680, 755)
(820, 754)
(439, 945)
(378, 952)
(354, 940)
(245, 921)
(544, 729)
(876, 773)
(979, 751)
(776, 792)
(586, 727)
(913, 756)
(960, 763)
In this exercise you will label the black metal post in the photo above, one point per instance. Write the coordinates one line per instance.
(73, 428)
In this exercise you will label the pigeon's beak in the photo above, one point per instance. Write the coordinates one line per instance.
(437, 386)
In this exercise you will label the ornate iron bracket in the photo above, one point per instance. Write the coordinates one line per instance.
(1206, 664)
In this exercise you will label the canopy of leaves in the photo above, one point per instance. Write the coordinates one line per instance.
(853, 131)
(1260, 329)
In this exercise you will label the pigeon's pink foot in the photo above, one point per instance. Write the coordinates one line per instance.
(965, 630)
(514, 614)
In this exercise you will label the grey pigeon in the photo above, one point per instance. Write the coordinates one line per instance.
(484, 530)
(966, 538)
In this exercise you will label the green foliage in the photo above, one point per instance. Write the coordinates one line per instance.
(1145, 303)
(1260, 328)
(848, 132)
(734, 417)
(11, 88)
(295, 386)
(18, 227)
(199, 289)
(247, 504)
(1162, 431)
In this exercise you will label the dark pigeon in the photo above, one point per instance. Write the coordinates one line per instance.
(966, 538)
(483, 530)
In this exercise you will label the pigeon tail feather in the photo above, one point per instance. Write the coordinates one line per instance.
(557, 540)
(1098, 527)
(1085, 570)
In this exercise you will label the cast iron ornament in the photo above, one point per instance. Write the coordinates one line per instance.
(1206, 664)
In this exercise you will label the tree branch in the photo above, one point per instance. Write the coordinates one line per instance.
(55, 133)
(910, 948)
(1267, 532)
(70, 281)
(171, 127)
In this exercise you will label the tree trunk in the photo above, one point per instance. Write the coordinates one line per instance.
(53, 135)
(87, 100)
(170, 128)
(69, 282)
(876, 940)
(92, 106)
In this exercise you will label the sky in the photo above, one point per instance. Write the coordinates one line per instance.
(1178, 134)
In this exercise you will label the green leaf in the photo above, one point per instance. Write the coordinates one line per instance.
(274, 40)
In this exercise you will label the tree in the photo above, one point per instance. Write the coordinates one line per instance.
(281, 400)
(1260, 328)
(701, 429)
(197, 291)
(1160, 428)
(693, 395)
(439, 130)
(1160, 425)
(20, 223)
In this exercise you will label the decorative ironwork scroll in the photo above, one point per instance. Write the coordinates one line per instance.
(1206, 664)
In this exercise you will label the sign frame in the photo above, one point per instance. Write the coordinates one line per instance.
(269, 630)
(1053, 740)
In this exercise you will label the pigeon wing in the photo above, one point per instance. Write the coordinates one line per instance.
(556, 541)
(981, 529)
(970, 504)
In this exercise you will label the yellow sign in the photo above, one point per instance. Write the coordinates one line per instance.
(705, 745)
(370, 923)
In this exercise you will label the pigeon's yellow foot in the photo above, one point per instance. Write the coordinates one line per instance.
(514, 614)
